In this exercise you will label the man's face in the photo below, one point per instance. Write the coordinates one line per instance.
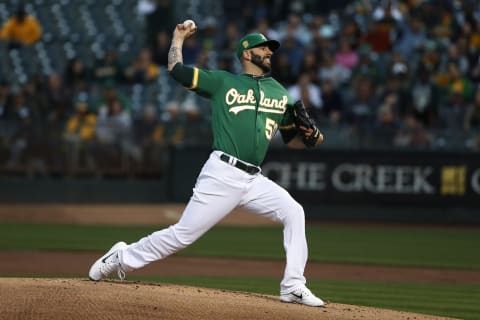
(260, 56)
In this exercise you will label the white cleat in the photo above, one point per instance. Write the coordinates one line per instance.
(107, 264)
(302, 296)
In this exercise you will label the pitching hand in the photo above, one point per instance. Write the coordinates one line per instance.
(184, 31)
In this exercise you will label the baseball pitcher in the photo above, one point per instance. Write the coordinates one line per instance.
(247, 111)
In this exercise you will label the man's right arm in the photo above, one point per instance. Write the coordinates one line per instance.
(187, 76)
(179, 35)
(175, 54)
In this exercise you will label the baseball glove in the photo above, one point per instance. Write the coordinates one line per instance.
(304, 122)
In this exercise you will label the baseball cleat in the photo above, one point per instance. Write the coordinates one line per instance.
(107, 264)
(302, 296)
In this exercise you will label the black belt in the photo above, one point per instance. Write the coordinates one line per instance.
(239, 164)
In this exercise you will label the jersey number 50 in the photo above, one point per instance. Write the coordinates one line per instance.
(270, 128)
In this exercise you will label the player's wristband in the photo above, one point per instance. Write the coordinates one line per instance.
(311, 141)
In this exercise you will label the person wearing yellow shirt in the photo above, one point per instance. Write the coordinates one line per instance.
(21, 29)
(79, 133)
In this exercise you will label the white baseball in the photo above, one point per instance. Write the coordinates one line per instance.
(190, 23)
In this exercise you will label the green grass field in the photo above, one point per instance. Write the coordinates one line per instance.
(420, 247)
(395, 246)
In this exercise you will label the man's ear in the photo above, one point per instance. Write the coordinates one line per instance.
(247, 55)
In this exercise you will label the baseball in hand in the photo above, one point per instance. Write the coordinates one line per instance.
(189, 24)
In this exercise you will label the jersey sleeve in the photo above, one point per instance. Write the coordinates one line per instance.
(287, 128)
(203, 82)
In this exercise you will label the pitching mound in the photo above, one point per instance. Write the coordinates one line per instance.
(82, 299)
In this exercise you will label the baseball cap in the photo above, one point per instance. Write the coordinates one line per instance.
(254, 40)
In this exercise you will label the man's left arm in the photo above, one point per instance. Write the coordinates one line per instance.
(298, 129)
(298, 141)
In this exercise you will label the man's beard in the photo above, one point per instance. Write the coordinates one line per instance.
(259, 62)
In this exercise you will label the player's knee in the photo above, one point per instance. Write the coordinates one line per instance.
(294, 212)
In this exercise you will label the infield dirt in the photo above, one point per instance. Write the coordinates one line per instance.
(73, 299)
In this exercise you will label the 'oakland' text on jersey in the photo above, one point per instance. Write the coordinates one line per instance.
(246, 111)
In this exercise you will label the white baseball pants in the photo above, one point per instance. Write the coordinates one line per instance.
(219, 189)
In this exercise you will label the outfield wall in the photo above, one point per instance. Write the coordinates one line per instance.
(352, 185)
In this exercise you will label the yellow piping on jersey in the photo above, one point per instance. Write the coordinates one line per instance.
(288, 127)
(268, 110)
(195, 79)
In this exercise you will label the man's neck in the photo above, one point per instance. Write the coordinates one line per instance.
(253, 70)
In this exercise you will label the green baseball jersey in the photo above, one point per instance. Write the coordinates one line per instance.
(246, 112)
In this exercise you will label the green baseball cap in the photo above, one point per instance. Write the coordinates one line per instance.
(254, 40)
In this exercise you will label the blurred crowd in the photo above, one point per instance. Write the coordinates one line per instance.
(373, 73)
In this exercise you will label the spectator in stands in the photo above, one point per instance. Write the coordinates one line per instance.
(332, 102)
(309, 65)
(58, 96)
(293, 47)
(361, 107)
(345, 55)
(366, 65)
(425, 98)
(473, 36)
(149, 140)
(77, 76)
(472, 117)
(21, 29)
(108, 68)
(396, 89)
(114, 126)
(387, 122)
(453, 112)
(33, 94)
(379, 37)
(458, 83)
(229, 41)
(413, 135)
(324, 39)
(411, 36)
(431, 60)
(309, 93)
(21, 139)
(113, 140)
(110, 93)
(351, 32)
(295, 29)
(142, 69)
(455, 56)
(208, 37)
(78, 135)
(174, 125)
(329, 69)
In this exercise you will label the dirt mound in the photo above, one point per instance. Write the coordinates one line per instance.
(82, 299)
